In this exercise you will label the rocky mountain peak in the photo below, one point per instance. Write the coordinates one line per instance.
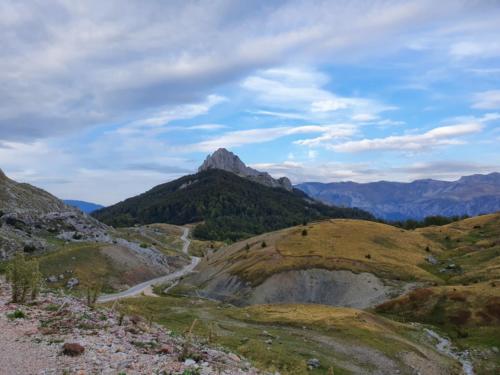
(2, 175)
(230, 162)
(225, 160)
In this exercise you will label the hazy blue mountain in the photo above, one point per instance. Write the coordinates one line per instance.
(86, 207)
(470, 195)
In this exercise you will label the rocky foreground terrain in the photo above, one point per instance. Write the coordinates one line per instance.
(61, 335)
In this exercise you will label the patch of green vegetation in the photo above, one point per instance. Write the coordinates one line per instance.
(18, 314)
(84, 260)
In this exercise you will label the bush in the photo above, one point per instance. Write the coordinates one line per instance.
(144, 245)
(263, 244)
(18, 314)
(304, 232)
(29, 248)
(24, 277)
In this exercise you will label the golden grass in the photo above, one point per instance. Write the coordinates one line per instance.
(463, 228)
(359, 246)
(320, 316)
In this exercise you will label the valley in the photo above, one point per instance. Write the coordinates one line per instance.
(322, 295)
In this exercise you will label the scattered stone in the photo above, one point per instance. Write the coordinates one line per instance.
(72, 283)
(52, 279)
(432, 260)
(94, 345)
(73, 349)
(189, 362)
(313, 363)
(166, 349)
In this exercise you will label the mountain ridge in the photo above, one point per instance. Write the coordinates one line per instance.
(470, 195)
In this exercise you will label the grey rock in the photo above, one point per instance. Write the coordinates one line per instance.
(432, 260)
(227, 161)
(72, 283)
(52, 279)
(313, 362)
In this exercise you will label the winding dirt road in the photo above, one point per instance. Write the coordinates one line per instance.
(140, 288)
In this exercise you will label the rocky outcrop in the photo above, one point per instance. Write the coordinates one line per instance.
(227, 161)
(470, 195)
(29, 215)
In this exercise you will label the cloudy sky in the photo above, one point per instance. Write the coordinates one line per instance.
(101, 100)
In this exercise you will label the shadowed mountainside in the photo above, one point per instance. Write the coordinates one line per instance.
(230, 207)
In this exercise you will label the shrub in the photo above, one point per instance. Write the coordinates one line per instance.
(144, 245)
(368, 256)
(24, 277)
(304, 232)
(263, 244)
(420, 294)
(18, 314)
(29, 248)
(92, 292)
(461, 317)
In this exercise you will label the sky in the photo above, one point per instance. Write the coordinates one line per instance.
(100, 101)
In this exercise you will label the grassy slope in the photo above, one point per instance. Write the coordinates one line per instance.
(360, 246)
(467, 308)
(86, 262)
(283, 337)
(112, 265)
(164, 237)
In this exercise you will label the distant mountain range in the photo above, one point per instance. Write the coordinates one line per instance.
(83, 206)
(470, 195)
(231, 203)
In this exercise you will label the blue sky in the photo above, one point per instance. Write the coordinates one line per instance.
(101, 102)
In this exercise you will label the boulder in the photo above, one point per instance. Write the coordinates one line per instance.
(73, 349)
(72, 283)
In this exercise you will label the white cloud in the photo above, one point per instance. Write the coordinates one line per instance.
(326, 172)
(487, 100)
(444, 135)
(482, 49)
(251, 136)
(182, 112)
(298, 93)
(364, 117)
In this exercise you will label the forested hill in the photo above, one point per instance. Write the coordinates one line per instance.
(230, 206)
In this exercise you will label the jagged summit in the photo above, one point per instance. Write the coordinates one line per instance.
(230, 162)
(2, 175)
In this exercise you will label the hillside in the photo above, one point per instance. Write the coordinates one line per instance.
(470, 195)
(366, 262)
(31, 219)
(230, 207)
